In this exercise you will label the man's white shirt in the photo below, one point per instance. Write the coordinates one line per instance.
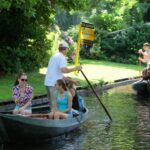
(56, 63)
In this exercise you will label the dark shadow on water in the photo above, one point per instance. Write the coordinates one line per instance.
(142, 100)
(108, 127)
(64, 142)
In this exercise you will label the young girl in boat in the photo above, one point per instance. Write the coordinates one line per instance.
(77, 100)
(22, 95)
(63, 102)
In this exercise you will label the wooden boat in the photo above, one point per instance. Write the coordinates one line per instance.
(26, 129)
(141, 87)
(39, 103)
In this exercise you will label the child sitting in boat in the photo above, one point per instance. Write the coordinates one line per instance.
(64, 107)
(77, 102)
(63, 103)
(22, 95)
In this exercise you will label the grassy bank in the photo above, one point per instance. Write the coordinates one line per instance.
(94, 70)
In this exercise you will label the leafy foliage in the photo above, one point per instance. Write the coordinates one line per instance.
(65, 19)
(123, 45)
(24, 25)
(109, 16)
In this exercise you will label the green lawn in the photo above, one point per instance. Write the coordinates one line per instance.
(94, 70)
(6, 83)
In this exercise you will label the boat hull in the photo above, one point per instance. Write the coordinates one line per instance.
(20, 128)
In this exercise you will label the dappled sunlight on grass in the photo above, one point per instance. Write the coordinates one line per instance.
(101, 70)
(96, 73)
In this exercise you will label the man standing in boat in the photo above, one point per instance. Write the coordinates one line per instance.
(56, 67)
(146, 54)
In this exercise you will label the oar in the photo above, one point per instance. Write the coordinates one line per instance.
(96, 95)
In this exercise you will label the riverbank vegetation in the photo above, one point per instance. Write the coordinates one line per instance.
(96, 71)
(31, 30)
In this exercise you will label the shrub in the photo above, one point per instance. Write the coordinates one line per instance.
(23, 41)
(22, 59)
(122, 46)
(71, 43)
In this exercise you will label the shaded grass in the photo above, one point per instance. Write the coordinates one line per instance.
(95, 70)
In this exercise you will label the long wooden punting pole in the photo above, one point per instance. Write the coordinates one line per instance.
(96, 95)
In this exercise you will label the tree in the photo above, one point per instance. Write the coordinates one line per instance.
(65, 19)
(23, 28)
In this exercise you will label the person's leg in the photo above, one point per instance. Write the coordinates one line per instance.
(16, 110)
(51, 115)
(27, 112)
(60, 115)
(40, 115)
(63, 116)
(56, 115)
(22, 112)
(51, 96)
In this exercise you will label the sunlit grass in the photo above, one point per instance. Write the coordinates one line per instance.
(108, 71)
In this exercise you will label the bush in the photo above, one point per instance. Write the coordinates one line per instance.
(101, 82)
(122, 46)
(73, 32)
(68, 39)
(22, 59)
(119, 46)
(23, 41)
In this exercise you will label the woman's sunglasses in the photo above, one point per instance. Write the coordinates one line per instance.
(24, 80)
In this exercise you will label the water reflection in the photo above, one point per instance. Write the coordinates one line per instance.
(130, 129)
(61, 143)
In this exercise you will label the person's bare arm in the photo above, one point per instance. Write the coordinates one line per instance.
(142, 59)
(72, 91)
(68, 70)
(25, 106)
(141, 52)
(17, 99)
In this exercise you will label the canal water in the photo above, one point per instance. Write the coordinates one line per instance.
(130, 129)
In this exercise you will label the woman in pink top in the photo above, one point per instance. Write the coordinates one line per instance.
(22, 95)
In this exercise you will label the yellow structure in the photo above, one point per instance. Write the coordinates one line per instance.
(85, 37)
(87, 32)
